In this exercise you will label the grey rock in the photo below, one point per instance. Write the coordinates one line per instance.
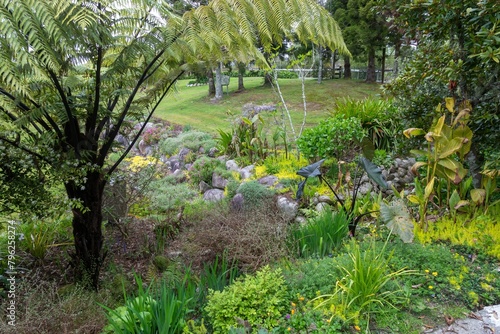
(183, 152)
(268, 181)
(287, 207)
(122, 140)
(322, 206)
(142, 147)
(365, 188)
(213, 195)
(232, 166)
(237, 202)
(301, 220)
(218, 181)
(325, 199)
(212, 152)
(204, 187)
(246, 172)
(179, 175)
(390, 177)
(201, 150)
(402, 171)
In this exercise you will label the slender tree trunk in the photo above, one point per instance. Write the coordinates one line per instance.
(383, 64)
(211, 83)
(87, 228)
(218, 82)
(347, 68)
(370, 71)
(241, 71)
(320, 64)
(397, 53)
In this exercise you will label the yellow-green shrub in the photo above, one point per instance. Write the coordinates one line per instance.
(260, 300)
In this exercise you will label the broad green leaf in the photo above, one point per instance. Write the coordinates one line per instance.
(438, 127)
(414, 199)
(450, 104)
(461, 204)
(373, 171)
(398, 220)
(454, 199)
(412, 132)
(416, 166)
(478, 195)
(420, 153)
(451, 147)
(429, 188)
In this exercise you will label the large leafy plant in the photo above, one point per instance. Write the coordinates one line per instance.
(351, 211)
(447, 145)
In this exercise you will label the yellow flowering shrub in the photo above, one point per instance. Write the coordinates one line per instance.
(137, 163)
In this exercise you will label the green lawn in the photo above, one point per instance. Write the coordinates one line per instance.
(191, 106)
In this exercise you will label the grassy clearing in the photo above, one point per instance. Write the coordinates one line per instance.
(191, 106)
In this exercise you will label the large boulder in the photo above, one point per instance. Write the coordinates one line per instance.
(213, 195)
(287, 207)
(218, 181)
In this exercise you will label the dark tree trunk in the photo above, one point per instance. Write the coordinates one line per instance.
(211, 83)
(268, 79)
(347, 68)
(371, 76)
(87, 228)
(241, 71)
(397, 53)
(383, 64)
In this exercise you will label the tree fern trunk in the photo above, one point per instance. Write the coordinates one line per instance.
(347, 68)
(87, 229)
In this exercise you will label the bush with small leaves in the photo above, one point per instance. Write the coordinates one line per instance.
(257, 300)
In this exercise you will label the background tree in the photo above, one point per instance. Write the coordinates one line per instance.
(73, 74)
(457, 55)
(364, 29)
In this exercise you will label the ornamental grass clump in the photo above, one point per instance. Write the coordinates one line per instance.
(368, 284)
(321, 235)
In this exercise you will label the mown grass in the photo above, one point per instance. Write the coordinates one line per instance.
(191, 105)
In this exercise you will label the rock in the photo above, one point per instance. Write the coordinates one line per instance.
(231, 165)
(122, 140)
(201, 150)
(213, 195)
(237, 203)
(322, 206)
(325, 199)
(142, 147)
(390, 177)
(246, 172)
(268, 181)
(212, 152)
(183, 152)
(174, 163)
(365, 188)
(204, 187)
(287, 207)
(218, 181)
(301, 220)
(179, 176)
(402, 171)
